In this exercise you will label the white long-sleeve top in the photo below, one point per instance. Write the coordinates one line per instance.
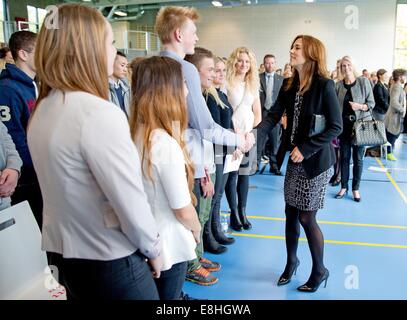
(168, 191)
(89, 172)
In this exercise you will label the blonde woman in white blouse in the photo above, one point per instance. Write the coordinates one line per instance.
(243, 94)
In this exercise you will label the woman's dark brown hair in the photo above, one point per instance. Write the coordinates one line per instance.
(315, 62)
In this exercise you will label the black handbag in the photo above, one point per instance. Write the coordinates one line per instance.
(318, 125)
(369, 133)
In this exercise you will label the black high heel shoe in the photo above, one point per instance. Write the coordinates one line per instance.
(312, 288)
(340, 196)
(357, 199)
(335, 183)
(283, 280)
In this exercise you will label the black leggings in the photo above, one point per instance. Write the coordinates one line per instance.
(238, 181)
(307, 219)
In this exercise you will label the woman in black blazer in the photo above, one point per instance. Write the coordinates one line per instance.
(307, 93)
(381, 95)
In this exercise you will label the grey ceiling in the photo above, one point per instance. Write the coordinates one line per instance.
(136, 8)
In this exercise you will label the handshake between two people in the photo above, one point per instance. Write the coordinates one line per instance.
(248, 142)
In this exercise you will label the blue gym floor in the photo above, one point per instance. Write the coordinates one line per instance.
(365, 243)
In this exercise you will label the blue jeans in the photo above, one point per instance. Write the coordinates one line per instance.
(347, 148)
(127, 278)
(169, 284)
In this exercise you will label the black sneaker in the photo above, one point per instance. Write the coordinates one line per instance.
(185, 296)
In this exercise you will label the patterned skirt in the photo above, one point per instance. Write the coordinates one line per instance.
(304, 193)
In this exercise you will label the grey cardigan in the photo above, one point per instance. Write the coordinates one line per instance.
(397, 109)
(9, 158)
(361, 93)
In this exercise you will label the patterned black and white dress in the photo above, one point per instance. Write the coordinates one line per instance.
(300, 191)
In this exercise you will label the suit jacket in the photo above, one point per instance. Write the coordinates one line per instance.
(381, 97)
(321, 98)
(277, 83)
(126, 96)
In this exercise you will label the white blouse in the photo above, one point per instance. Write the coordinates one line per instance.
(168, 191)
(89, 172)
(241, 100)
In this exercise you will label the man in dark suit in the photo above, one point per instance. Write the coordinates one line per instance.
(270, 84)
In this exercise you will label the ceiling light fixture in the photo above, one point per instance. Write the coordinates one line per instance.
(217, 3)
(309, 0)
(120, 13)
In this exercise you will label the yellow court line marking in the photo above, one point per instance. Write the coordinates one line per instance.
(338, 223)
(364, 244)
(403, 196)
(352, 224)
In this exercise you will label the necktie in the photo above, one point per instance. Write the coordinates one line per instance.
(269, 91)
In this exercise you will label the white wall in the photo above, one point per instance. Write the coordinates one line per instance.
(120, 29)
(271, 28)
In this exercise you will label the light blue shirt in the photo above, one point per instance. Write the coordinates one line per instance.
(200, 123)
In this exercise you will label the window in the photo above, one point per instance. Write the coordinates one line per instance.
(2, 19)
(400, 54)
(35, 18)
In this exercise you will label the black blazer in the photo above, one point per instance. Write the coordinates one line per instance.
(381, 97)
(321, 98)
(222, 116)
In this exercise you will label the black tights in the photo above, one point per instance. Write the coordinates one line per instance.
(307, 219)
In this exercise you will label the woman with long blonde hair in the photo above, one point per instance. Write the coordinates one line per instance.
(158, 122)
(243, 94)
(98, 228)
(356, 102)
(308, 94)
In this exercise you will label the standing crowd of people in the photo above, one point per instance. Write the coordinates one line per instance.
(125, 174)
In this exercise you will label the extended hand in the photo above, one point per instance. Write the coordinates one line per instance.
(250, 140)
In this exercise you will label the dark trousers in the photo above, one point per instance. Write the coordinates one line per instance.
(127, 278)
(391, 138)
(169, 284)
(270, 138)
(28, 189)
(220, 184)
(272, 145)
(348, 149)
(281, 153)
